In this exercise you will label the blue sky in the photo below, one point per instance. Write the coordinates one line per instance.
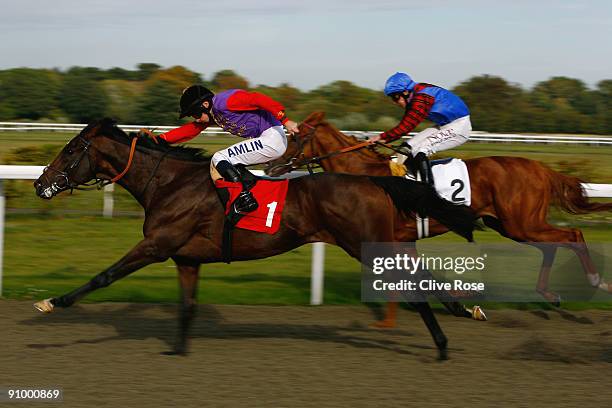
(310, 43)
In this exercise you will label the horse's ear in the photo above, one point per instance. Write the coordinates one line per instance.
(107, 122)
(315, 118)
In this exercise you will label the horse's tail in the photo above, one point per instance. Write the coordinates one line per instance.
(411, 196)
(569, 195)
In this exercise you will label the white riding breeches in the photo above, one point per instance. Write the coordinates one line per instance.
(433, 140)
(270, 145)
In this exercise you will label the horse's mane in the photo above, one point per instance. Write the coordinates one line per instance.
(108, 127)
(352, 140)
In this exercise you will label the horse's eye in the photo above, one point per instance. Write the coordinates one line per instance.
(70, 151)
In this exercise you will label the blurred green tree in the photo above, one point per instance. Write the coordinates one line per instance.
(567, 101)
(145, 70)
(286, 94)
(122, 96)
(228, 79)
(82, 97)
(28, 93)
(158, 102)
(603, 103)
(495, 104)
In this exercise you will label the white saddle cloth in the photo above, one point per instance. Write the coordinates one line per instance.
(452, 181)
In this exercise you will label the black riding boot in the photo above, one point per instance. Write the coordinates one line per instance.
(412, 165)
(245, 202)
(423, 166)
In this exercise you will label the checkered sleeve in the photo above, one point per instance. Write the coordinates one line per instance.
(416, 112)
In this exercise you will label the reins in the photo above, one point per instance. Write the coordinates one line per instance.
(100, 183)
(395, 149)
(129, 163)
(97, 183)
(317, 159)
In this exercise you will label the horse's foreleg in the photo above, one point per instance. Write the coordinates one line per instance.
(188, 278)
(453, 306)
(434, 328)
(145, 253)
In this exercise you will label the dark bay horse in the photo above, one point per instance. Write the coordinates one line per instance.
(511, 194)
(184, 216)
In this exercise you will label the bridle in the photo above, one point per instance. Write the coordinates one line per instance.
(300, 157)
(96, 184)
(298, 160)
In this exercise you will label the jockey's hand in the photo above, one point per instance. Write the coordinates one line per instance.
(148, 133)
(375, 139)
(292, 127)
(406, 147)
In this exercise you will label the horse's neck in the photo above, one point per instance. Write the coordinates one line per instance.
(150, 172)
(355, 162)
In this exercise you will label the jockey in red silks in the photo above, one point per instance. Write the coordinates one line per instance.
(251, 115)
(438, 105)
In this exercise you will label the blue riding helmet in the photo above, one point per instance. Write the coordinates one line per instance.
(399, 82)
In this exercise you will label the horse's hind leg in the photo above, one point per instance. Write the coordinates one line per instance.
(579, 246)
(548, 256)
(572, 238)
(533, 231)
(188, 278)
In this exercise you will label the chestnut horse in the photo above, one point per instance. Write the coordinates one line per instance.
(184, 217)
(512, 195)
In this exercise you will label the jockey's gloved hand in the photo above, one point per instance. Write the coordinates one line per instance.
(147, 133)
(406, 147)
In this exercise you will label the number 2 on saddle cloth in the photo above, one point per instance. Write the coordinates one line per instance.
(270, 196)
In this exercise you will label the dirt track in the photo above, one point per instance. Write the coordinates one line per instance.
(109, 355)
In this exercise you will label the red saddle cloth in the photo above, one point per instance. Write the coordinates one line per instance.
(270, 196)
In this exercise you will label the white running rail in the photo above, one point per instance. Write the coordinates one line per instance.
(477, 136)
(318, 250)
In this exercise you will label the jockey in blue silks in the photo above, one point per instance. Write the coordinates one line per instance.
(421, 101)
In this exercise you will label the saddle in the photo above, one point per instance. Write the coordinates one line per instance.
(270, 195)
(451, 181)
(451, 178)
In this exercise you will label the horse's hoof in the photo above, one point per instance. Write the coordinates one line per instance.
(44, 306)
(181, 353)
(384, 324)
(551, 297)
(478, 314)
(442, 355)
(605, 286)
